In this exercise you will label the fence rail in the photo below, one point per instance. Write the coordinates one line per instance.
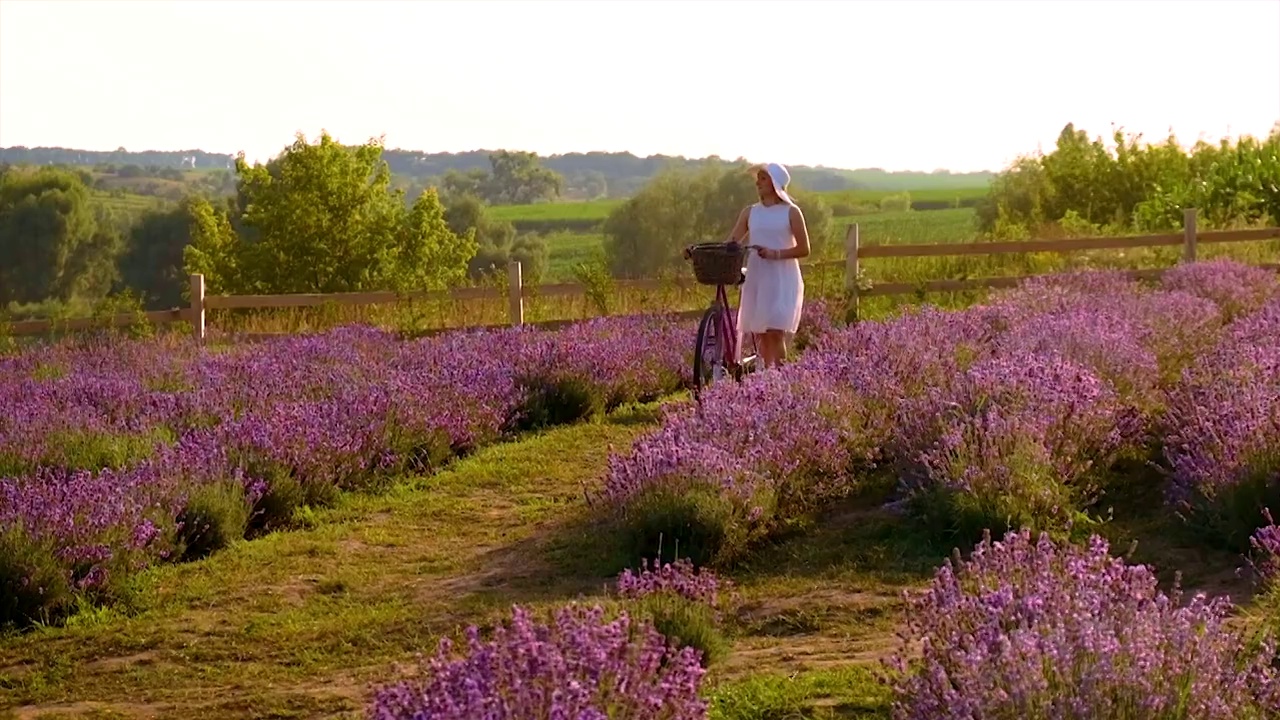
(517, 292)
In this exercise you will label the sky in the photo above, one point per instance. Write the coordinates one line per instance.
(905, 85)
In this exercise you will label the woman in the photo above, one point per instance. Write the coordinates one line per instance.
(774, 290)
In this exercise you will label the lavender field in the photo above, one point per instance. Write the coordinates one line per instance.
(781, 551)
(115, 456)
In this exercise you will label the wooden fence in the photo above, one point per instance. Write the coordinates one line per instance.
(517, 292)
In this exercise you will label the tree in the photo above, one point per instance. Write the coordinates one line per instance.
(460, 184)
(496, 240)
(322, 218)
(52, 244)
(645, 235)
(1136, 186)
(153, 261)
(215, 249)
(517, 178)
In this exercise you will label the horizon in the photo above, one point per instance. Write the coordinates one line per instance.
(592, 89)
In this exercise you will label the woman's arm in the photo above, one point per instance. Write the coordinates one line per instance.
(801, 234)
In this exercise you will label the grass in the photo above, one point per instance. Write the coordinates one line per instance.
(303, 623)
(569, 249)
(583, 210)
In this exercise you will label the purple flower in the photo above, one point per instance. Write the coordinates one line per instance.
(1032, 628)
(579, 666)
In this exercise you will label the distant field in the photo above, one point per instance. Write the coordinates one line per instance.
(588, 210)
(127, 203)
(935, 226)
(932, 199)
(913, 226)
(843, 202)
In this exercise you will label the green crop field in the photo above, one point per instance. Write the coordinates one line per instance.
(956, 197)
(912, 226)
(584, 210)
(843, 202)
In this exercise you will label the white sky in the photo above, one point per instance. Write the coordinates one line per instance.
(911, 84)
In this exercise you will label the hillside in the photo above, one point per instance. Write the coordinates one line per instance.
(587, 175)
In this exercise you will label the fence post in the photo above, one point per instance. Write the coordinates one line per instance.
(515, 294)
(851, 271)
(197, 306)
(1188, 235)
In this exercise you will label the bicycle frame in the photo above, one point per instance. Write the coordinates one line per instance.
(720, 327)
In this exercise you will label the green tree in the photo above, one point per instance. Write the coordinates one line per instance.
(645, 235)
(322, 218)
(1136, 186)
(153, 261)
(497, 242)
(214, 250)
(457, 184)
(52, 243)
(518, 178)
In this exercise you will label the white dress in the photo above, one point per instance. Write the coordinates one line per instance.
(774, 291)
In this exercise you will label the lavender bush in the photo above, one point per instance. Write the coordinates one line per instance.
(679, 578)
(1018, 439)
(683, 602)
(1222, 433)
(714, 478)
(1029, 628)
(580, 666)
(1237, 289)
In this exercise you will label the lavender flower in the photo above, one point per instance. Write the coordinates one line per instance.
(1030, 628)
(678, 578)
(579, 666)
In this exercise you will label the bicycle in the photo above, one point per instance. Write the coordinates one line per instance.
(715, 351)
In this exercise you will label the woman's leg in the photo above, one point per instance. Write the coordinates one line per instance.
(772, 347)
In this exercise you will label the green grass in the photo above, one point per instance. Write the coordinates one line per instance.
(913, 226)
(568, 249)
(941, 197)
(584, 210)
(587, 216)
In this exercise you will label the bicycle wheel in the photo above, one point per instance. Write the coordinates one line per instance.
(708, 352)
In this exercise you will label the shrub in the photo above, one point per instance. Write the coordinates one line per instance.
(1033, 629)
(33, 585)
(772, 449)
(693, 520)
(682, 602)
(1019, 440)
(1237, 289)
(558, 400)
(685, 624)
(680, 578)
(578, 666)
(215, 516)
(1222, 431)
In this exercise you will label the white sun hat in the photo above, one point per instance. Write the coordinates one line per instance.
(781, 178)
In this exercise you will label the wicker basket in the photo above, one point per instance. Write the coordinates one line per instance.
(717, 263)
